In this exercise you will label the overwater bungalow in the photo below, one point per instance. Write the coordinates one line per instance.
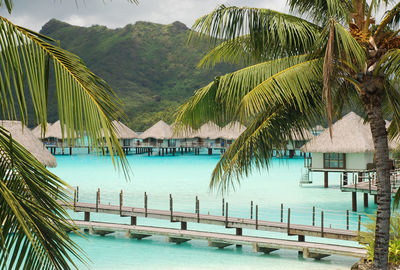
(37, 131)
(159, 135)
(125, 135)
(27, 139)
(230, 133)
(54, 138)
(298, 140)
(350, 149)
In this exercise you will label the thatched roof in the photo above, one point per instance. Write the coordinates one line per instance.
(349, 135)
(37, 131)
(304, 135)
(123, 132)
(232, 131)
(31, 143)
(207, 131)
(160, 130)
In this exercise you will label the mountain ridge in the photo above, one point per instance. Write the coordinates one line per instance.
(149, 65)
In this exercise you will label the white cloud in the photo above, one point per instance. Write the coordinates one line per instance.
(118, 13)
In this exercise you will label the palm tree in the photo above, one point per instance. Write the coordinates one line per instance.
(301, 67)
(33, 226)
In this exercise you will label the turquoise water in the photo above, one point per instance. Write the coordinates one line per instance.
(186, 177)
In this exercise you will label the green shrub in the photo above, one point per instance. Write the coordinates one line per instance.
(367, 238)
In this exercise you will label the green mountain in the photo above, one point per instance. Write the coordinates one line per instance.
(149, 65)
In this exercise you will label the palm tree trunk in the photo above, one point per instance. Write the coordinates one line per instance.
(372, 98)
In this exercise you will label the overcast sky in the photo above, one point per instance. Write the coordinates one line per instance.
(34, 14)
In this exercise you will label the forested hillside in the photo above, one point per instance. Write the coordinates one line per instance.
(149, 65)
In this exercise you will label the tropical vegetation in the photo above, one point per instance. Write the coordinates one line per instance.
(302, 66)
(368, 239)
(33, 231)
(148, 64)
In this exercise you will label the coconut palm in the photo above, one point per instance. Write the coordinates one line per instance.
(300, 67)
(33, 226)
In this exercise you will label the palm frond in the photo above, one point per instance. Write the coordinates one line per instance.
(289, 86)
(253, 150)
(34, 226)
(86, 103)
(320, 11)
(275, 31)
(218, 101)
(236, 51)
(391, 19)
(8, 4)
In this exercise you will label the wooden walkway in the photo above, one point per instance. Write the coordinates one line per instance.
(228, 222)
(220, 240)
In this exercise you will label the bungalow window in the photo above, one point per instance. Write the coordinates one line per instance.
(127, 142)
(334, 160)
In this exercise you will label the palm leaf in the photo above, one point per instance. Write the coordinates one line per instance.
(253, 149)
(320, 11)
(266, 29)
(34, 226)
(218, 101)
(289, 86)
(86, 103)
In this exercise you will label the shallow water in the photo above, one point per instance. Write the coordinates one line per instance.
(186, 177)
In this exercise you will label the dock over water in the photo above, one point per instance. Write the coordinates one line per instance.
(221, 240)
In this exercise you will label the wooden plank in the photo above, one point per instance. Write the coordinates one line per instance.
(221, 240)
(232, 222)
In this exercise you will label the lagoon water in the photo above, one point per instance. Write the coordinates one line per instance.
(186, 177)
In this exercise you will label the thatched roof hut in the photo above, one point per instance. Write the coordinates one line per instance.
(31, 143)
(123, 132)
(37, 131)
(160, 130)
(349, 135)
(207, 131)
(232, 131)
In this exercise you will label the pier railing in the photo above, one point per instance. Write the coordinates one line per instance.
(315, 221)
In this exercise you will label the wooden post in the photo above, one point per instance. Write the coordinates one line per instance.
(120, 203)
(183, 225)
(313, 215)
(198, 211)
(145, 204)
(239, 231)
(325, 179)
(97, 199)
(170, 207)
(281, 212)
(195, 206)
(365, 199)
(359, 224)
(77, 193)
(347, 220)
(375, 199)
(301, 238)
(74, 200)
(226, 216)
(251, 210)
(223, 206)
(288, 221)
(257, 217)
(133, 220)
(354, 201)
(322, 223)
(87, 216)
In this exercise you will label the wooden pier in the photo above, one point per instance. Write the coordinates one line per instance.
(221, 240)
(224, 220)
(365, 182)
